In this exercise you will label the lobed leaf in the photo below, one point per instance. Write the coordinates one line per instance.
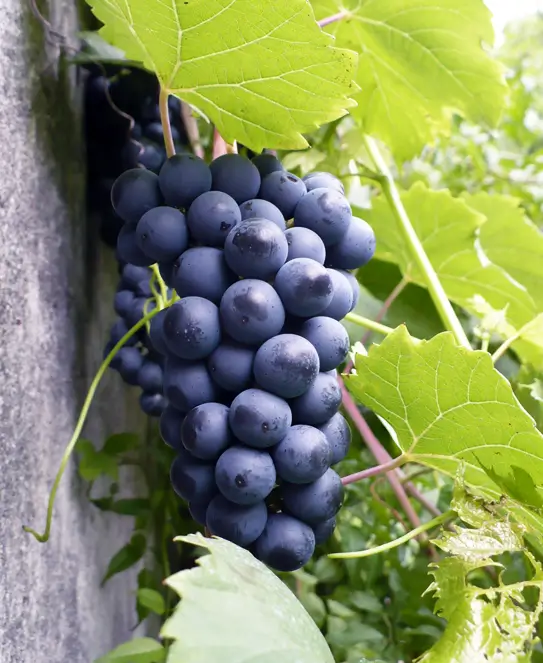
(450, 408)
(234, 608)
(263, 73)
(420, 60)
(139, 650)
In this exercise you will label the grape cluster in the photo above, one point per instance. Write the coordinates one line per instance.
(250, 350)
(123, 130)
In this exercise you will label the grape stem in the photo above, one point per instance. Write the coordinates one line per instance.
(437, 293)
(509, 342)
(374, 471)
(368, 323)
(163, 289)
(165, 121)
(334, 18)
(431, 524)
(193, 134)
(42, 538)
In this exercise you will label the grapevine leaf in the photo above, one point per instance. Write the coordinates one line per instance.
(492, 624)
(152, 600)
(140, 650)
(93, 463)
(234, 609)
(121, 442)
(126, 557)
(414, 72)
(450, 408)
(449, 230)
(263, 73)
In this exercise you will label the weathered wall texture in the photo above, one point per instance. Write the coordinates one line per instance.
(56, 288)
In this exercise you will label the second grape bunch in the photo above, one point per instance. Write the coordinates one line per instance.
(261, 260)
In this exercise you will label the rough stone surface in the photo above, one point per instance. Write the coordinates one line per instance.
(56, 286)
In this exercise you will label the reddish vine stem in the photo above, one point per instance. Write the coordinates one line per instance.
(333, 19)
(379, 453)
(165, 121)
(392, 464)
(219, 145)
(191, 125)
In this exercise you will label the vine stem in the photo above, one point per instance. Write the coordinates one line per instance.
(193, 134)
(368, 323)
(379, 453)
(42, 538)
(435, 522)
(400, 287)
(161, 284)
(220, 146)
(509, 342)
(374, 471)
(165, 121)
(334, 18)
(437, 293)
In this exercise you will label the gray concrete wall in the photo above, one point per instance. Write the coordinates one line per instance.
(56, 288)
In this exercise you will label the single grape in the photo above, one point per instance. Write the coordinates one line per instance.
(259, 418)
(198, 511)
(128, 249)
(166, 270)
(118, 330)
(211, 217)
(355, 286)
(183, 178)
(128, 362)
(267, 163)
(304, 243)
(143, 152)
(320, 180)
(192, 479)
(156, 332)
(286, 544)
(323, 531)
(152, 403)
(143, 289)
(235, 175)
(188, 384)
(135, 192)
(329, 338)
(286, 365)
(131, 276)
(192, 328)
(205, 431)
(303, 455)
(320, 402)
(123, 302)
(150, 377)
(245, 475)
(284, 190)
(314, 502)
(170, 424)
(355, 248)
(256, 249)
(162, 233)
(326, 212)
(251, 312)
(262, 209)
(304, 286)
(203, 272)
(231, 366)
(239, 524)
(342, 300)
(338, 434)
(153, 131)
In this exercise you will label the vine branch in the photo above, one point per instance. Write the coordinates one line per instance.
(193, 134)
(42, 538)
(165, 121)
(374, 471)
(437, 293)
(368, 323)
(448, 515)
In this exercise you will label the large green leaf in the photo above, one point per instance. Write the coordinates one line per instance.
(233, 608)
(495, 624)
(451, 408)
(419, 61)
(263, 73)
(449, 231)
(140, 650)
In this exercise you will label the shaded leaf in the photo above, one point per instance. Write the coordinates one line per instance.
(233, 608)
(413, 71)
(131, 506)
(121, 442)
(93, 464)
(126, 557)
(263, 74)
(152, 600)
(140, 650)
